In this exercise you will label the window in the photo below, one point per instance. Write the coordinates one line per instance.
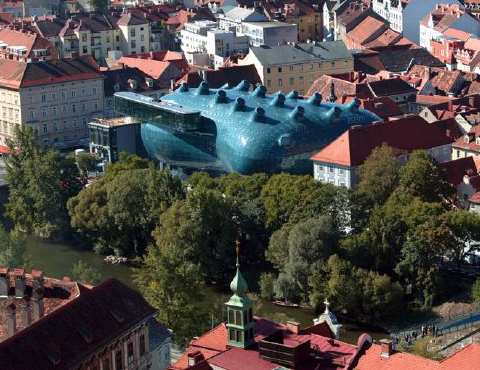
(133, 44)
(280, 83)
(106, 364)
(94, 91)
(331, 169)
(142, 38)
(238, 318)
(130, 355)
(118, 360)
(73, 93)
(231, 334)
(44, 114)
(142, 345)
(291, 80)
(73, 108)
(279, 69)
(84, 37)
(320, 168)
(118, 40)
(291, 68)
(84, 50)
(231, 316)
(132, 32)
(44, 98)
(45, 128)
(268, 70)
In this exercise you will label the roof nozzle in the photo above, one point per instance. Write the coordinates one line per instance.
(239, 105)
(203, 88)
(259, 115)
(220, 97)
(183, 87)
(333, 113)
(353, 105)
(260, 91)
(292, 94)
(315, 99)
(244, 85)
(278, 100)
(297, 113)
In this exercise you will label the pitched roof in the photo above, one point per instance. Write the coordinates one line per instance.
(457, 169)
(392, 86)
(78, 329)
(219, 77)
(153, 68)
(132, 19)
(29, 40)
(406, 134)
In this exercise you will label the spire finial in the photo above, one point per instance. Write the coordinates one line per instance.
(327, 305)
(237, 248)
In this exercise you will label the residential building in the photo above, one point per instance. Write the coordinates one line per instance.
(468, 57)
(306, 15)
(372, 33)
(23, 45)
(270, 33)
(328, 20)
(232, 20)
(134, 33)
(414, 11)
(338, 162)
(469, 144)
(204, 37)
(443, 17)
(108, 326)
(392, 11)
(57, 98)
(231, 75)
(287, 67)
(390, 97)
(348, 14)
(445, 50)
(463, 175)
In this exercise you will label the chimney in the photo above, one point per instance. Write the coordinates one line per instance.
(38, 308)
(4, 282)
(386, 348)
(19, 283)
(26, 312)
(195, 358)
(293, 326)
(11, 320)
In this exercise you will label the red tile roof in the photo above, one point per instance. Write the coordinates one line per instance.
(457, 169)
(153, 68)
(241, 359)
(406, 134)
(77, 330)
(372, 360)
(30, 40)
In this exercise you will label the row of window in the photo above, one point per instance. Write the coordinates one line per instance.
(303, 67)
(291, 81)
(235, 317)
(237, 335)
(58, 126)
(330, 169)
(74, 108)
(119, 358)
(64, 94)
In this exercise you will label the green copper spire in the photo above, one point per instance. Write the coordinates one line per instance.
(240, 323)
(238, 285)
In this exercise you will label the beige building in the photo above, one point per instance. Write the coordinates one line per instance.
(57, 98)
(295, 67)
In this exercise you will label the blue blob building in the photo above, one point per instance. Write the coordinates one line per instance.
(238, 129)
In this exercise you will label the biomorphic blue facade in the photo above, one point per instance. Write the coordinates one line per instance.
(242, 130)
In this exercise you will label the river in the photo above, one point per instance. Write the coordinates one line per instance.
(57, 260)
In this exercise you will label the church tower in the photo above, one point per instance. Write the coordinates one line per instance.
(240, 323)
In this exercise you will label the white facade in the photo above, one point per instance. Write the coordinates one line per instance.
(330, 173)
(135, 39)
(269, 33)
(392, 11)
(428, 33)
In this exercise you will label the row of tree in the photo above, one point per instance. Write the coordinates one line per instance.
(370, 250)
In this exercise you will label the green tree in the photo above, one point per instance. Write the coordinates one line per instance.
(85, 274)
(171, 281)
(378, 176)
(284, 287)
(12, 249)
(422, 177)
(86, 162)
(310, 243)
(204, 221)
(267, 286)
(40, 184)
(126, 206)
(100, 6)
(465, 226)
(282, 194)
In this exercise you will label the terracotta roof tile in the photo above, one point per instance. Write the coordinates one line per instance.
(406, 134)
